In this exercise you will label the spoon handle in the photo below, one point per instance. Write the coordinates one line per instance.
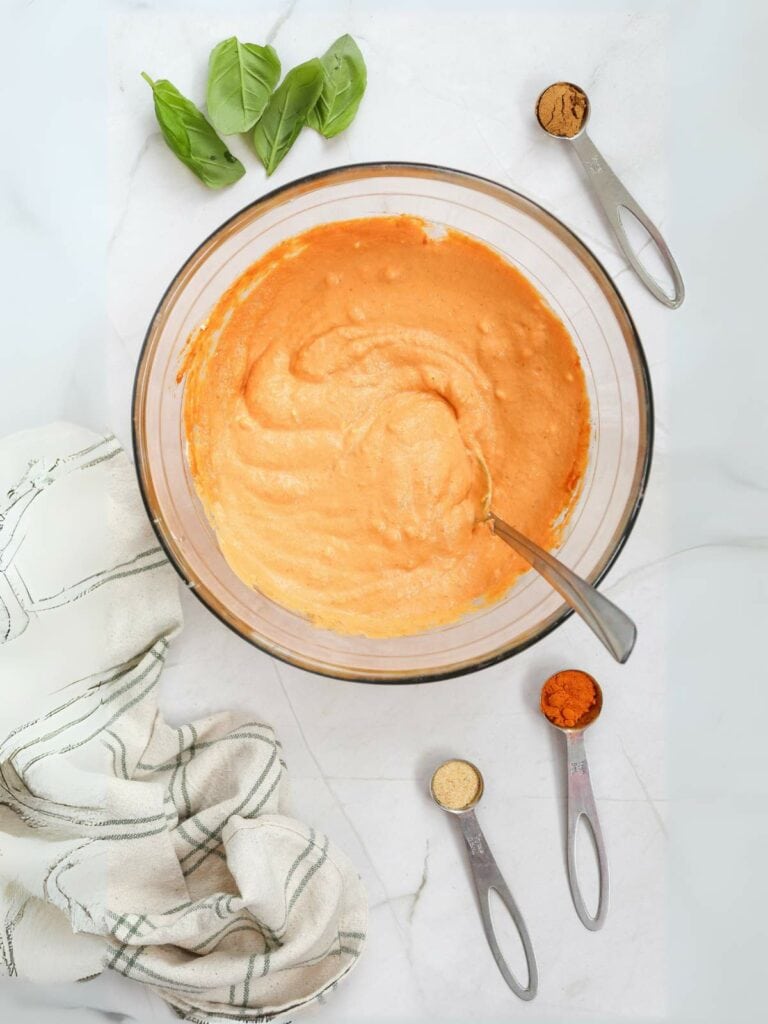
(613, 197)
(581, 801)
(608, 622)
(487, 878)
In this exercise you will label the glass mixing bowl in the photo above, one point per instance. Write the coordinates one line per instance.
(574, 284)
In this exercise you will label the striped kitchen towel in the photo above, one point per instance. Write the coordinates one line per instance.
(125, 844)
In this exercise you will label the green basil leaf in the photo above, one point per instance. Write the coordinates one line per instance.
(192, 138)
(286, 112)
(344, 81)
(241, 77)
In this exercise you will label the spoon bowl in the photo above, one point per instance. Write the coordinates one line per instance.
(469, 769)
(540, 112)
(590, 716)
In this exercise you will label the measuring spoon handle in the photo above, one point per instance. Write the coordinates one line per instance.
(612, 197)
(488, 878)
(607, 621)
(581, 801)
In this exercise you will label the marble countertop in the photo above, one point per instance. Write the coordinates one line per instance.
(93, 201)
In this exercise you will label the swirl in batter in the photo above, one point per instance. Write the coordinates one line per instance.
(347, 402)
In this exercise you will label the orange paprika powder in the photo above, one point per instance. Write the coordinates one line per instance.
(567, 697)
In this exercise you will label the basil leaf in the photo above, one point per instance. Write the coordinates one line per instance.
(286, 112)
(241, 77)
(191, 138)
(344, 80)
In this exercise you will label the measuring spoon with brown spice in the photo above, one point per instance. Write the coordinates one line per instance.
(562, 110)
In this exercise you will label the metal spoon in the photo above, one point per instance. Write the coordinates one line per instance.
(581, 801)
(613, 197)
(487, 877)
(608, 622)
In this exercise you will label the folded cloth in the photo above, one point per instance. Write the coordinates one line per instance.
(126, 844)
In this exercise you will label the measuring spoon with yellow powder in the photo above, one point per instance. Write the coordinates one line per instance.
(562, 110)
(457, 787)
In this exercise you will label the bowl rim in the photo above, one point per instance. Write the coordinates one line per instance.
(471, 180)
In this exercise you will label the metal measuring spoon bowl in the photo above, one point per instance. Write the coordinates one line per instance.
(610, 192)
(581, 801)
(461, 799)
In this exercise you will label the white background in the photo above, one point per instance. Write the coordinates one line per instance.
(96, 217)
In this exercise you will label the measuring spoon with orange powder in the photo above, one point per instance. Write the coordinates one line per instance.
(571, 700)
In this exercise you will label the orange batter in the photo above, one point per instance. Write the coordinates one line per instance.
(345, 404)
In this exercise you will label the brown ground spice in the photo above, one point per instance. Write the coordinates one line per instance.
(562, 109)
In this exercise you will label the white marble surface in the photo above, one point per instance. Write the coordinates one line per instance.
(92, 198)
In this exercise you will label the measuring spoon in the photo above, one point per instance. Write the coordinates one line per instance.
(488, 878)
(581, 801)
(613, 197)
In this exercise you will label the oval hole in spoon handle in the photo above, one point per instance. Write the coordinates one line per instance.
(581, 801)
(488, 878)
(613, 197)
(608, 622)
